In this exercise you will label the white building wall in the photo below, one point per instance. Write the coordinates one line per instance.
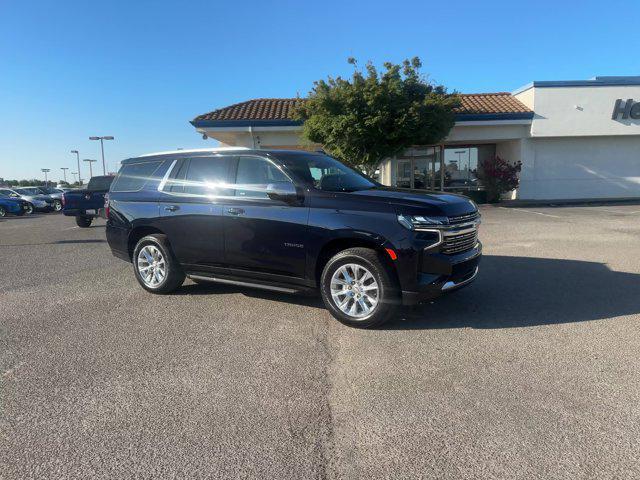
(580, 168)
(579, 111)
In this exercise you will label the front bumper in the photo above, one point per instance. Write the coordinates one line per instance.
(453, 272)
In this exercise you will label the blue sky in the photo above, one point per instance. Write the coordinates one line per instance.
(140, 70)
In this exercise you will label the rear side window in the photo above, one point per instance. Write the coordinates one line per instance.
(133, 176)
(254, 174)
(207, 176)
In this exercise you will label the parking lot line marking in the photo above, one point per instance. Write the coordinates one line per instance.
(70, 228)
(531, 211)
(619, 212)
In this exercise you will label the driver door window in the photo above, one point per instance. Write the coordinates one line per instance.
(253, 176)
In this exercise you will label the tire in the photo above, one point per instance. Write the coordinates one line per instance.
(83, 222)
(57, 206)
(3, 212)
(382, 301)
(144, 257)
(29, 209)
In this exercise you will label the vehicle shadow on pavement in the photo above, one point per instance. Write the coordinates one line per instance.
(523, 291)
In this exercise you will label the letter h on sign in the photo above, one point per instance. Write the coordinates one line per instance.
(628, 109)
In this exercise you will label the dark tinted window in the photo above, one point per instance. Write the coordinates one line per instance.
(177, 178)
(207, 176)
(325, 173)
(133, 176)
(254, 174)
(99, 183)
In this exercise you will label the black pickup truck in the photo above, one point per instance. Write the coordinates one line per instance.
(87, 204)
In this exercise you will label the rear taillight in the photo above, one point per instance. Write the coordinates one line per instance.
(64, 200)
(106, 205)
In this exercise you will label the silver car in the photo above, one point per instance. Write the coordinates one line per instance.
(55, 194)
(37, 200)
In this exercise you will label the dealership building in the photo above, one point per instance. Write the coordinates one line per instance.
(575, 139)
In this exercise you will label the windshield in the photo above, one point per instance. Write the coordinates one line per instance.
(325, 173)
(28, 191)
(99, 183)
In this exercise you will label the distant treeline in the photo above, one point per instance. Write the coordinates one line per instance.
(34, 182)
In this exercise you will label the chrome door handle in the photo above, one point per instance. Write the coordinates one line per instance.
(172, 208)
(235, 211)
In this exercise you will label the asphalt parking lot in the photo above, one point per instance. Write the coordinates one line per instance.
(532, 372)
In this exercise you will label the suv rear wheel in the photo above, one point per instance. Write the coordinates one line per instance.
(83, 222)
(155, 267)
(358, 288)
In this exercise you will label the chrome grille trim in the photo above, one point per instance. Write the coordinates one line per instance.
(459, 241)
(467, 217)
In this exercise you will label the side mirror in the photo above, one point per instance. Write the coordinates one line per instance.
(284, 191)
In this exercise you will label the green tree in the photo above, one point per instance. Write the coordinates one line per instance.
(376, 115)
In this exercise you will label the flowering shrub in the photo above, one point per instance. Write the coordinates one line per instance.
(499, 176)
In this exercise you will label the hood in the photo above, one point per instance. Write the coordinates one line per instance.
(420, 201)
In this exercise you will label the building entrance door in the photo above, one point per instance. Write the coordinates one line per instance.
(420, 168)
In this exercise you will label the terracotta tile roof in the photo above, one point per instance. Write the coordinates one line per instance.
(479, 103)
(280, 108)
(257, 109)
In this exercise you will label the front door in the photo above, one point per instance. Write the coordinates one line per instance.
(191, 209)
(263, 235)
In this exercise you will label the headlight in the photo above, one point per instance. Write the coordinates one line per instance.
(422, 222)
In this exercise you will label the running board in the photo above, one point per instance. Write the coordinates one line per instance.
(243, 284)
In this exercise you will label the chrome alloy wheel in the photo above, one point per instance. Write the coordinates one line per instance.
(151, 266)
(354, 290)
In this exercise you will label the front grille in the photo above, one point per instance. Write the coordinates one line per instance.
(467, 217)
(458, 243)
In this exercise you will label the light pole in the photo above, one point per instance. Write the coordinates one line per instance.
(64, 173)
(45, 170)
(108, 137)
(78, 172)
(90, 161)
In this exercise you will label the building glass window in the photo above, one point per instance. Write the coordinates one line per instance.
(419, 168)
(461, 166)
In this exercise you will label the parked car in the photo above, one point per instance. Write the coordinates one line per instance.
(13, 206)
(89, 203)
(55, 194)
(290, 221)
(38, 202)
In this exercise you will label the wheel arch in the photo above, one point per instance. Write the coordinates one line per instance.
(338, 244)
(136, 234)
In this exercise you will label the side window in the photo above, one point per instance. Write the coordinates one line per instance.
(254, 174)
(133, 176)
(207, 176)
(175, 183)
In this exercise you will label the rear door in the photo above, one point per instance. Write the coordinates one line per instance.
(191, 209)
(261, 234)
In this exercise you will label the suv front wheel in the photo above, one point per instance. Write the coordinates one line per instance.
(358, 288)
(155, 267)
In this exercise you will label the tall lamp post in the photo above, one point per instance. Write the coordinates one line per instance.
(78, 158)
(45, 170)
(64, 173)
(90, 161)
(108, 137)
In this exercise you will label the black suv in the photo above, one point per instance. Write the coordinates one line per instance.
(290, 221)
